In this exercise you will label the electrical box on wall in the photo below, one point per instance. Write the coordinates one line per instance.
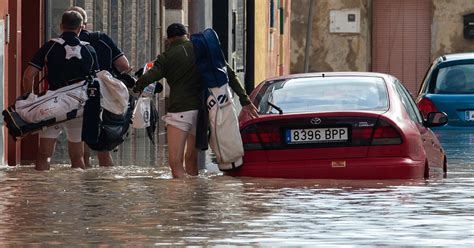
(344, 21)
(469, 26)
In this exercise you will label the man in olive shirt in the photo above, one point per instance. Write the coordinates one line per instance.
(177, 65)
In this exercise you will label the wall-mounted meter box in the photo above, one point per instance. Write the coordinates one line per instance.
(344, 21)
(469, 26)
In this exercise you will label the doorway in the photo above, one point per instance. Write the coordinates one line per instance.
(401, 39)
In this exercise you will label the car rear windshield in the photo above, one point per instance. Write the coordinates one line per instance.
(457, 79)
(325, 94)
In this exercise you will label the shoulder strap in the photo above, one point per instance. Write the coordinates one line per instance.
(58, 40)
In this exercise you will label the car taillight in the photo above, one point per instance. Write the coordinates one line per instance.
(385, 134)
(361, 136)
(362, 133)
(256, 137)
(426, 106)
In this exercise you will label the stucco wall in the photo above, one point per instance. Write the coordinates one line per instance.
(329, 51)
(261, 26)
(447, 27)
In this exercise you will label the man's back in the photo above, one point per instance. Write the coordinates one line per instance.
(67, 60)
(178, 67)
(107, 51)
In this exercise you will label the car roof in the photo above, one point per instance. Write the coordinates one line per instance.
(387, 77)
(457, 56)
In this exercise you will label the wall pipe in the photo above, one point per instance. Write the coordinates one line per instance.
(309, 33)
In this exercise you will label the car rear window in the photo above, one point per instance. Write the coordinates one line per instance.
(325, 94)
(457, 79)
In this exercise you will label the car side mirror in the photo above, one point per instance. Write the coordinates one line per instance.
(436, 119)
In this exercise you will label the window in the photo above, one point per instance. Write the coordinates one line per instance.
(317, 94)
(408, 103)
(457, 79)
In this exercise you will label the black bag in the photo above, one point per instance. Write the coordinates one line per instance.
(101, 129)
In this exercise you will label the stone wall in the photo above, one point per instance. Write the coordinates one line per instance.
(340, 52)
(447, 27)
(329, 51)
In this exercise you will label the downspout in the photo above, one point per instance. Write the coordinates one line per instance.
(282, 43)
(309, 33)
(250, 47)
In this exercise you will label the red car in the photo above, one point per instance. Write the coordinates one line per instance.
(339, 125)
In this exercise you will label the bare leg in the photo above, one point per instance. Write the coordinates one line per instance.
(176, 143)
(191, 156)
(105, 159)
(76, 154)
(87, 156)
(45, 151)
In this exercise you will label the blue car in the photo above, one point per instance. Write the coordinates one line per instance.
(448, 87)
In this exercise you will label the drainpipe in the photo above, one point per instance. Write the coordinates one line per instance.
(250, 47)
(281, 3)
(200, 18)
(309, 33)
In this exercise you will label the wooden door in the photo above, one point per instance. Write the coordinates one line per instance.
(401, 39)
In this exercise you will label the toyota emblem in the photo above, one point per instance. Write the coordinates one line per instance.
(315, 121)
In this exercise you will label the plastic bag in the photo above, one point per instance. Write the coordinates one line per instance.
(141, 113)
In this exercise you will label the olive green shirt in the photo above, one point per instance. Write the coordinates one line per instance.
(178, 66)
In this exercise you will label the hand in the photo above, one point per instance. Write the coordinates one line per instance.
(127, 79)
(134, 92)
(139, 72)
(158, 88)
(251, 110)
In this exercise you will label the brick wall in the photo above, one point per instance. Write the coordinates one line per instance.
(127, 22)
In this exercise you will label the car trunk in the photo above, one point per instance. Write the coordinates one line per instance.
(459, 108)
(330, 135)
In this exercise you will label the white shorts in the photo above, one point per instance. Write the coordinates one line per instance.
(185, 121)
(73, 129)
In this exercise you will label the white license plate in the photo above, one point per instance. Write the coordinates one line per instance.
(317, 135)
(470, 115)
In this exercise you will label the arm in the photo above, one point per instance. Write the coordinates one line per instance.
(122, 65)
(236, 86)
(234, 83)
(119, 60)
(154, 74)
(28, 78)
(34, 67)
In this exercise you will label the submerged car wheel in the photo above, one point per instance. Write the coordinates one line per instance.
(427, 171)
(445, 167)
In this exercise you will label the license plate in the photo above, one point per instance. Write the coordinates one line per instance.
(317, 135)
(470, 115)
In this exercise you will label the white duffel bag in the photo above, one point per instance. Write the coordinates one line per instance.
(113, 93)
(59, 104)
(225, 139)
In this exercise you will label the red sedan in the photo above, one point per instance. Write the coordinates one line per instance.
(339, 126)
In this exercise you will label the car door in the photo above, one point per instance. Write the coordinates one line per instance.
(431, 145)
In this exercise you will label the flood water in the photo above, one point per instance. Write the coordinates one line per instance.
(136, 203)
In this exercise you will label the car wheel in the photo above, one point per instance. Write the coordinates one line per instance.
(427, 171)
(445, 167)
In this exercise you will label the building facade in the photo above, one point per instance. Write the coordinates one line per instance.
(399, 37)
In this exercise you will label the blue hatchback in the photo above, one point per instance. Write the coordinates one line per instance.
(448, 87)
